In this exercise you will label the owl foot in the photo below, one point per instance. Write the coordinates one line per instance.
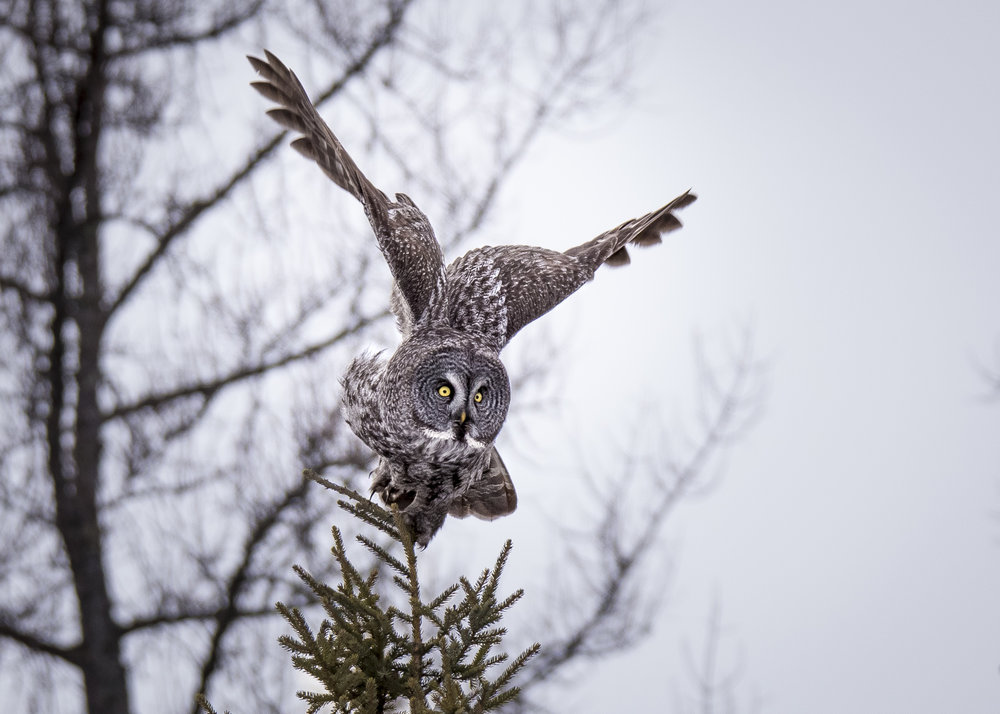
(393, 495)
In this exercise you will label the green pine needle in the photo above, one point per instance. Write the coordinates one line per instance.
(375, 653)
(381, 647)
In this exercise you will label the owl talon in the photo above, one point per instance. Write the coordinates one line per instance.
(402, 499)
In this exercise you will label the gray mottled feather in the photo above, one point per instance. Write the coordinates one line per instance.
(489, 497)
(426, 493)
(497, 290)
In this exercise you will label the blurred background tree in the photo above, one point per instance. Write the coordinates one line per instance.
(177, 301)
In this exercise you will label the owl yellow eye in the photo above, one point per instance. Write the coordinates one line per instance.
(444, 391)
(478, 397)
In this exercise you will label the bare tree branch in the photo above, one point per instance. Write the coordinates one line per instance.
(189, 214)
(627, 534)
(210, 388)
(228, 615)
(36, 644)
(716, 686)
(171, 39)
(23, 291)
(204, 613)
(990, 374)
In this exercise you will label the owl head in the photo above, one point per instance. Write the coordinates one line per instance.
(455, 388)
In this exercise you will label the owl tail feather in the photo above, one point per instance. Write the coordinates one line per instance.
(489, 498)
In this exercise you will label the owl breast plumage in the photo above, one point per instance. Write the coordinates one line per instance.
(432, 410)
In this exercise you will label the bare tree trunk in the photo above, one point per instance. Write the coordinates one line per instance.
(77, 328)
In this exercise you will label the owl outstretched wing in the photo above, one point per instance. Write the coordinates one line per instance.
(404, 234)
(497, 290)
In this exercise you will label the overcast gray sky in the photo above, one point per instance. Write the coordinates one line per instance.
(847, 156)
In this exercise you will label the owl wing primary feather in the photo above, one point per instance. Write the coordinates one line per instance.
(404, 234)
(496, 290)
(611, 246)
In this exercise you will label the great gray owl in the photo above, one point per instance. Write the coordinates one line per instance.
(433, 409)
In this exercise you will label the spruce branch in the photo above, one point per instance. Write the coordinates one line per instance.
(205, 705)
(383, 649)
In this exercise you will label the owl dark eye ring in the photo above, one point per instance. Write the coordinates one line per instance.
(444, 391)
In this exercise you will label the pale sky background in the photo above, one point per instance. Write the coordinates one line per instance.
(847, 158)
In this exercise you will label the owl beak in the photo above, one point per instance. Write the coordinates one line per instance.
(461, 422)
